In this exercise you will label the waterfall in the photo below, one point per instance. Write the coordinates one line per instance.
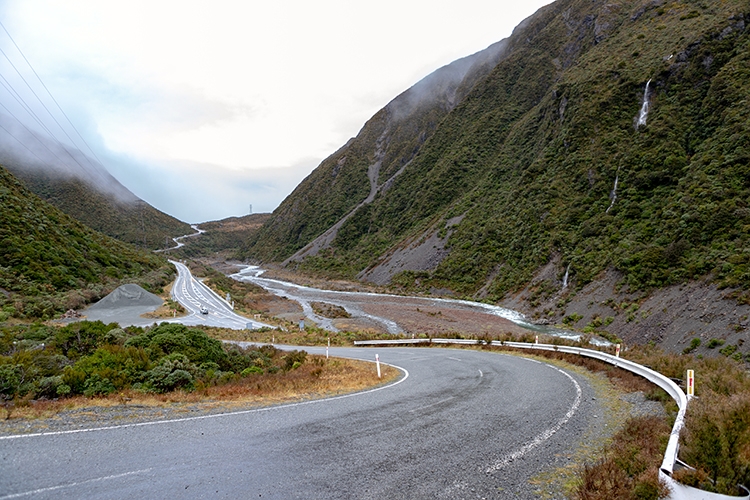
(613, 194)
(644, 107)
(565, 278)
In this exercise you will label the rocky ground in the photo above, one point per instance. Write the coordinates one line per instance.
(671, 317)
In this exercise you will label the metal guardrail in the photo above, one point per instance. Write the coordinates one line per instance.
(392, 342)
(678, 491)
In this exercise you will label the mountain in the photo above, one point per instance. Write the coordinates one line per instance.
(601, 151)
(49, 262)
(221, 237)
(83, 189)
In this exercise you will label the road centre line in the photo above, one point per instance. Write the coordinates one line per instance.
(70, 485)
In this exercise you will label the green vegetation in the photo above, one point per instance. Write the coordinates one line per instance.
(694, 344)
(529, 159)
(630, 467)
(91, 358)
(715, 439)
(50, 263)
(134, 222)
(226, 235)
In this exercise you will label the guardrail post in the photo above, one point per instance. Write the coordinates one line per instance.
(690, 384)
(617, 351)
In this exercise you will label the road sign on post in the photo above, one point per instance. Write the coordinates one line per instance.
(690, 383)
(617, 350)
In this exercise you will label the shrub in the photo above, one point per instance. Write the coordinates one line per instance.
(169, 338)
(174, 372)
(81, 338)
(95, 385)
(694, 344)
(294, 360)
(717, 436)
(713, 343)
(252, 370)
(630, 468)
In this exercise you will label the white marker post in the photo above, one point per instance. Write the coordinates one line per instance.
(377, 362)
(617, 351)
(329, 345)
(536, 339)
(690, 384)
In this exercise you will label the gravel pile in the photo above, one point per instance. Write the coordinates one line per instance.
(125, 306)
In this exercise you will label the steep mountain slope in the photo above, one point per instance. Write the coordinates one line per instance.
(610, 140)
(82, 188)
(130, 220)
(369, 163)
(50, 262)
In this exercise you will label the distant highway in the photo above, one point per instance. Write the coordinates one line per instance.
(178, 241)
(192, 294)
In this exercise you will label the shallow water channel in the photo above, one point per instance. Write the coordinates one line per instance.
(385, 312)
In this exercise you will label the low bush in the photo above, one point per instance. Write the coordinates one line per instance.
(92, 359)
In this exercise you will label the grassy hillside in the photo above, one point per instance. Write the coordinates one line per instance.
(222, 236)
(529, 160)
(132, 221)
(50, 262)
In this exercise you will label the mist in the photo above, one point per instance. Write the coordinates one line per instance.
(22, 148)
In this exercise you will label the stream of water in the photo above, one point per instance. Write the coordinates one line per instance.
(355, 304)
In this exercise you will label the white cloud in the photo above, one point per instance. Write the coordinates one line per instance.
(243, 88)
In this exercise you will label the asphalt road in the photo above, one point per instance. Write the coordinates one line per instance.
(459, 424)
(192, 294)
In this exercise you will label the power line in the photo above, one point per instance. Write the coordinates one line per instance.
(19, 142)
(50, 93)
(31, 132)
(12, 91)
(46, 109)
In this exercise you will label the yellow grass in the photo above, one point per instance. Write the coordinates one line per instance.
(317, 378)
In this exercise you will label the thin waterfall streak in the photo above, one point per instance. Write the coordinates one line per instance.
(643, 115)
(613, 194)
(565, 278)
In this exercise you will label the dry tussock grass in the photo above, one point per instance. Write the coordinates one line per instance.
(316, 378)
(630, 468)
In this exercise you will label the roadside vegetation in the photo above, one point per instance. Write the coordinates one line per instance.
(53, 367)
(50, 263)
(715, 439)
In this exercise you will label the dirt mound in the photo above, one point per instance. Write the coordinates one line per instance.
(129, 295)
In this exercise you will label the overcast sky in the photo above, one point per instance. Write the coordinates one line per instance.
(203, 108)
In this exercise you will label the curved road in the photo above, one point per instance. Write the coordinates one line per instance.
(459, 424)
(192, 294)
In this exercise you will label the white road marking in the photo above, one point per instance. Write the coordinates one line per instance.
(481, 374)
(544, 435)
(430, 406)
(70, 485)
(216, 415)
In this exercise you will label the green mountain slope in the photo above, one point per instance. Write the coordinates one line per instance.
(120, 214)
(50, 262)
(542, 161)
